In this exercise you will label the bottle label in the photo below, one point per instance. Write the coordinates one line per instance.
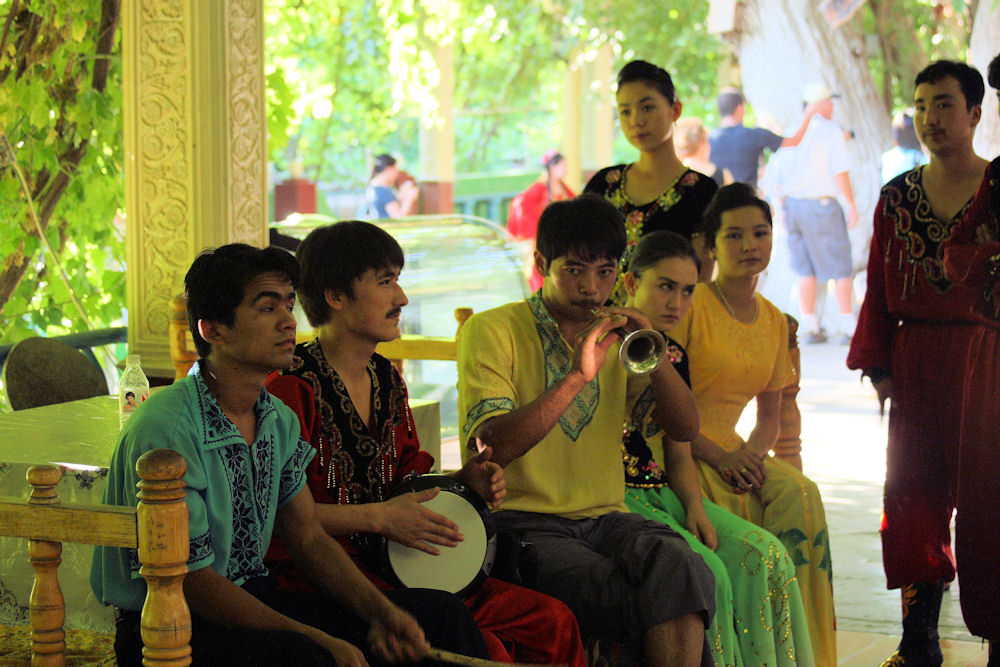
(129, 398)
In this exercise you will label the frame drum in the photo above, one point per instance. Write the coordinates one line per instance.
(460, 569)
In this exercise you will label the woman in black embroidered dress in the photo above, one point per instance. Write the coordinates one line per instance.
(656, 191)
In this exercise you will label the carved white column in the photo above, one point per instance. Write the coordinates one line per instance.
(195, 147)
(437, 142)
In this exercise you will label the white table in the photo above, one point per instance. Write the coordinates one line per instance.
(80, 436)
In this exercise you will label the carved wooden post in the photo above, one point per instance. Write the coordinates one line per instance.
(461, 315)
(163, 551)
(48, 613)
(789, 444)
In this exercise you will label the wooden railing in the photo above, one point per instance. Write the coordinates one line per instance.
(158, 528)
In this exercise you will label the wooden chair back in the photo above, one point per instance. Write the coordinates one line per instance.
(158, 528)
(182, 351)
(789, 444)
(432, 348)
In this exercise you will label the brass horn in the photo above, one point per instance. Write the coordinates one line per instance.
(642, 351)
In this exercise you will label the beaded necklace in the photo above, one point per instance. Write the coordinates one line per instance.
(725, 302)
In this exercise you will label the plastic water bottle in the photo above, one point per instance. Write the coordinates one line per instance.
(133, 388)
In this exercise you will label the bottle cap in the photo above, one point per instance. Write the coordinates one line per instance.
(131, 359)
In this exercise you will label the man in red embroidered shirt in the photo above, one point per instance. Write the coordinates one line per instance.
(353, 408)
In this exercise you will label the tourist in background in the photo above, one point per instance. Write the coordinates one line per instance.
(739, 148)
(391, 193)
(691, 142)
(905, 153)
(526, 208)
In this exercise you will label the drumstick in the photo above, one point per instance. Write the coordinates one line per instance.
(458, 659)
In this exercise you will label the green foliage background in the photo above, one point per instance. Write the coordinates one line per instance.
(365, 67)
(346, 79)
(62, 131)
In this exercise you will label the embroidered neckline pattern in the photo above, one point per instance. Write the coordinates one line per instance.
(636, 215)
(904, 203)
(558, 359)
(249, 476)
(357, 463)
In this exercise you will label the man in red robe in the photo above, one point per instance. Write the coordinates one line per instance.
(913, 332)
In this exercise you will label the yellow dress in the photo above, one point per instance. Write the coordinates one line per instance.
(732, 362)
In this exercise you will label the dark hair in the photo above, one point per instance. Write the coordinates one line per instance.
(727, 198)
(382, 162)
(993, 72)
(217, 280)
(969, 79)
(334, 256)
(550, 158)
(660, 245)
(903, 133)
(728, 101)
(648, 73)
(588, 226)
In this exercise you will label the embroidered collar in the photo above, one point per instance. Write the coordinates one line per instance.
(558, 360)
(357, 462)
(217, 429)
(918, 229)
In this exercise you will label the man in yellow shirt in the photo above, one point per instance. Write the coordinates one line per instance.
(553, 412)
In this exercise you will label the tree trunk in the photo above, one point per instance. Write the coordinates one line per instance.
(784, 44)
(983, 47)
(46, 190)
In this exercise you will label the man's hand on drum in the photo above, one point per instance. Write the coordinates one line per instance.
(404, 519)
(395, 636)
(484, 477)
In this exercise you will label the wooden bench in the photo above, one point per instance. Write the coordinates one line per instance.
(158, 528)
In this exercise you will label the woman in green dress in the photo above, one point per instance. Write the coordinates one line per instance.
(759, 616)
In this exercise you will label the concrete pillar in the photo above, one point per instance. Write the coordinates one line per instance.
(195, 149)
(572, 115)
(597, 113)
(437, 142)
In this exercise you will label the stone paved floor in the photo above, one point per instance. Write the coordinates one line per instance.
(844, 452)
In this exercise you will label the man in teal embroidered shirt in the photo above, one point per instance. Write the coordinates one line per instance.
(245, 479)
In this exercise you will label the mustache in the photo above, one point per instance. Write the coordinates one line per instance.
(394, 312)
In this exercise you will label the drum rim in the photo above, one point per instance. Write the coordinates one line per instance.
(452, 485)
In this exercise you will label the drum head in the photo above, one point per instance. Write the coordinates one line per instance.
(456, 566)
(460, 569)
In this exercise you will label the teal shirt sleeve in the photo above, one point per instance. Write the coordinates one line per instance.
(159, 422)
